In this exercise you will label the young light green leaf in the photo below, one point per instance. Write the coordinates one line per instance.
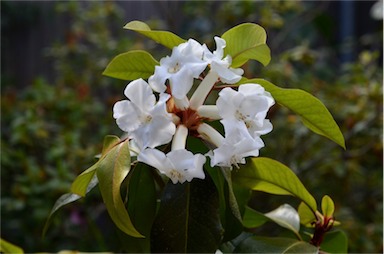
(307, 217)
(7, 247)
(131, 65)
(111, 172)
(335, 242)
(109, 142)
(265, 174)
(327, 206)
(165, 38)
(274, 245)
(312, 111)
(81, 183)
(247, 41)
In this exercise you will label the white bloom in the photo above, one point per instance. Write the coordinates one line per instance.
(146, 121)
(236, 145)
(179, 165)
(249, 104)
(222, 65)
(180, 69)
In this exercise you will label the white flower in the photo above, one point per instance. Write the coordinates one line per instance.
(236, 145)
(179, 165)
(180, 69)
(222, 65)
(249, 104)
(146, 121)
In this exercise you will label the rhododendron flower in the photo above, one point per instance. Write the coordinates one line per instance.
(236, 145)
(146, 120)
(249, 104)
(180, 69)
(222, 65)
(179, 165)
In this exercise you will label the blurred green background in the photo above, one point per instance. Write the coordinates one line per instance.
(56, 107)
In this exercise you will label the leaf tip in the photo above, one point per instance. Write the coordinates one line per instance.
(137, 25)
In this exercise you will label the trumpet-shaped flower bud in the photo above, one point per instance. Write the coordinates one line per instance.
(236, 145)
(184, 64)
(249, 104)
(222, 65)
(146, 120)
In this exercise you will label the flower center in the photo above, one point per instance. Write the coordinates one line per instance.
(176, 175)
(239, 116)
(146, 119)
(175, 68)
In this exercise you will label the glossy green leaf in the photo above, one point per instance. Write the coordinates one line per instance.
(253, 218)
(274, 245)
(285, 216)
(80, 185)
(229, 209)
(311, 110)
(7, 247)
(307, 217)
(141, 208)
(111, 172)
(247, 41)
(271, 176)
(60, 202)
(188, 219)
(165, 38)
(335, 242)
(131, 65)
(108, 143)
(327, 206)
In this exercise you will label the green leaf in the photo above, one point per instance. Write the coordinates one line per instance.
(253, 219)
(335, 242)
(7, 247)
(131, 65)
(141, 207)
(60, 202)
(247, 41)
(188, 219)
(285, 216)
(109, 142)
(80, 185)
(327, 206)
(165, 38)
(311, 110)
(229, 209)
(274, 245)
(111, 172)
(265, 174)
(307, 217)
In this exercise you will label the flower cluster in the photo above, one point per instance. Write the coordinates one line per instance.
(169, 116)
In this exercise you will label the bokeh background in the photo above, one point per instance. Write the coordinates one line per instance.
(56, 105)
